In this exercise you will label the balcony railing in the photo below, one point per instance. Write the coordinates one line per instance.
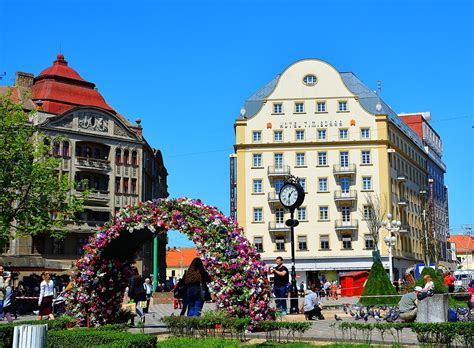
(279, 170)
(340, 196)
(350, 169)
(402, 202)
(100, 196)
(401, 177)
(274, 226)
(273, 197)
(346, 225)
(404, 228)
(93, 164)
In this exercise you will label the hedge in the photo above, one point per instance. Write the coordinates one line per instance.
(93, 337)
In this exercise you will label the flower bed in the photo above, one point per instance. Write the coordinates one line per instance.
(239, 277)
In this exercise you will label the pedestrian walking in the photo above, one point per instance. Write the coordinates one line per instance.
(45, 301)
(281, 280)
(8, 303)
(334, 290)
(196, 280)
(4, 283)
(149, 293)
(136, 290)
(182, 295)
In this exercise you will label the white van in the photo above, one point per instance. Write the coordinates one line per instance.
(463, 277)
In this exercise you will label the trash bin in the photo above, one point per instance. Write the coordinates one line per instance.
(30, 336)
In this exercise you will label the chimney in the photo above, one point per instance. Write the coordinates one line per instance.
(24, 79)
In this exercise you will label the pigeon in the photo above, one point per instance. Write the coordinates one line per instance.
(395, 316)
(384, 307)
(357, 316)
(377, 317)
(337, 318)
(351, 313)
(344, 308)
(366, 317)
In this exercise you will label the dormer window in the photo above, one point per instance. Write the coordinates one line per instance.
(309, 80)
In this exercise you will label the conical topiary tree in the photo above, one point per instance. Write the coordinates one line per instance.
(378, 283)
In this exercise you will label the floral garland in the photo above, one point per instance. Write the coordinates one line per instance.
(239, 277)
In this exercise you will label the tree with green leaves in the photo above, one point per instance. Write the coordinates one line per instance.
(35, 197)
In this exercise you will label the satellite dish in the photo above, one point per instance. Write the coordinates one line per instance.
(243, 112)
(378, 107)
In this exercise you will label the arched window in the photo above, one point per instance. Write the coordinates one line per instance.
(134, 158)
(65, 149)
(56, 148)
(126, 157)
(118, 156)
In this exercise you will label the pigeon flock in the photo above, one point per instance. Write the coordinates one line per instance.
(379, 313)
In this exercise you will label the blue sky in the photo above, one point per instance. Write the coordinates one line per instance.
(186, 67)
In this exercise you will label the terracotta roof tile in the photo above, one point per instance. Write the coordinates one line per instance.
(464, 243)
(180, 257)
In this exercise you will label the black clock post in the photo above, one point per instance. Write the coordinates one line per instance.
(291, 197)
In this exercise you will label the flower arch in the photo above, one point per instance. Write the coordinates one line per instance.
(239, 277)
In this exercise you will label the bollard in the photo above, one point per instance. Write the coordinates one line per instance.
(30, 336)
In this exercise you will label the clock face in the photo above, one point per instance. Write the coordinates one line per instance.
(288, 195)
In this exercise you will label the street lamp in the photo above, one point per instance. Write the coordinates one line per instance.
(391, 226)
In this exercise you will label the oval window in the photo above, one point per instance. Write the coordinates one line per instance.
(310, 80)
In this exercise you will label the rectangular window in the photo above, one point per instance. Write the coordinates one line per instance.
(300, 159)
(369, 241)
(323, 213)
(258, 242)
(299, 107)
(257, 186)
(134, 187)
(345, 184)
(257, 136)
(299, 135)
(125, 185)
(257, 215)
(344, 159)
(321, 134)
(324, 242)
(346, 214)
(302, 214)
(279, 184)
(279, 217)
(367, 212)
(322, 158)
(365, 133)
(57, 246)
(302, 245)
(280, 243)
(278, 136)
(302, 183)
(257, 160)
(321, 106)
(343, 134)
(278, 160)
(323, 184)
(117, 184)
(347, 242)
(342, 105)
(277, 108)
(366, 157)
(366, 183)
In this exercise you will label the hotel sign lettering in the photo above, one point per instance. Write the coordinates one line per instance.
(311, 124)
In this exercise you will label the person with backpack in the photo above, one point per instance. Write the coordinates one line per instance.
(136, 291)
(196, 280)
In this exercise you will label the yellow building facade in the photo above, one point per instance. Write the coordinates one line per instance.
(345, 144)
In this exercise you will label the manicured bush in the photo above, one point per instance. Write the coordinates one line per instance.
(378, 283)
(436, 277)
(91, 337)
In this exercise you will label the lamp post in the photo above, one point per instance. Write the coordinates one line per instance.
(391, 226)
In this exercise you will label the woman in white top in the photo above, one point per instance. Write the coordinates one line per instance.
(45, 301)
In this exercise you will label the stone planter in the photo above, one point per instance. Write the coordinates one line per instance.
(433, 309)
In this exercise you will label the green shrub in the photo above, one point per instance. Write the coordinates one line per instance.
(378, 283)
(437, 278)
(92, 337)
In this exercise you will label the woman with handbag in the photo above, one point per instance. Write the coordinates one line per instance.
(197, 293)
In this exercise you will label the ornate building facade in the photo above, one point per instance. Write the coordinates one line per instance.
(99, 145)
(345, 144)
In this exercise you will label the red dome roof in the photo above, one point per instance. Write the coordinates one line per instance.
(61, 88)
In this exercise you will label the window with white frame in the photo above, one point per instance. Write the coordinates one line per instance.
(302, 182)
(278, 136)
(346, 242)
(300, 159)
(323, 213)
(342, 105)
(299, 107)
(278, 160)
(366, 157)
(302, 244)
(299, 135)
(321, 134)
(279, 184)
(322, 158)
(324, 242)
(343, 134)
(302, 214)
(279, 216)
(367, 212)
(365, 133)
(258, 243)
(257, 185)
(280, 243)
(257, 215)
(277, 108)
(344, 159)
(369, 241)
(257, 136)
(310, 80)
(321, 106)
(323, 184)
(257, 159)
(366, 183)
